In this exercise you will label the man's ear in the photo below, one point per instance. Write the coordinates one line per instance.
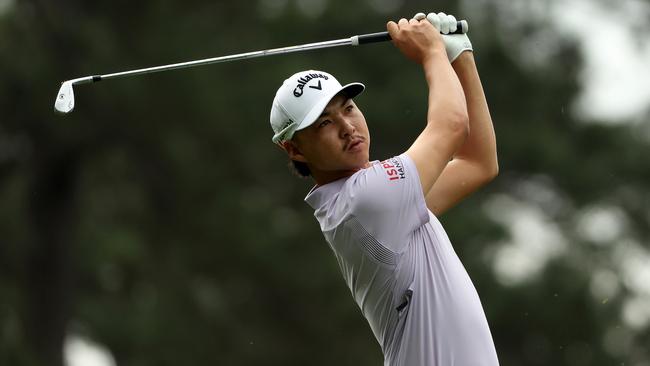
(293, 151)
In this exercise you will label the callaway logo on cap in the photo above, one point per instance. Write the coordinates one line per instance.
(302, 98)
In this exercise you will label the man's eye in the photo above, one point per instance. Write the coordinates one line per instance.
(324, 123)
(349, 108)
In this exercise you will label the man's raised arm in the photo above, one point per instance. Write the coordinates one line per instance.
(475, 163)
(447, 119)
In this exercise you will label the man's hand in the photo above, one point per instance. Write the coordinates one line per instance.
(419, 41)
(455, 44)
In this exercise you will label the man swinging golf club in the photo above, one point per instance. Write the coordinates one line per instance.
(380, 218)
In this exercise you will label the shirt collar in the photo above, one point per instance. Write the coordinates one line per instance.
(319, 195)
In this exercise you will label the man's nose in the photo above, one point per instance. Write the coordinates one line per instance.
(347, 127)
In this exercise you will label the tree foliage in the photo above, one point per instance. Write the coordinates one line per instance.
(159, 220)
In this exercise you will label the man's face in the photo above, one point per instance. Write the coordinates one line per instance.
(338, 141)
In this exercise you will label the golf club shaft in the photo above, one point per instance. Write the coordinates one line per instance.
(64, 102)
(352, 41)
(237, 57)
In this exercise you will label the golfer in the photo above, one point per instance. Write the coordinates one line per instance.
(380, 217)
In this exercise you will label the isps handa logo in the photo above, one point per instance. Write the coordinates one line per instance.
(393, 168)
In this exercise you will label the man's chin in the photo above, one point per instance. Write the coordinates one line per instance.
(361, 164)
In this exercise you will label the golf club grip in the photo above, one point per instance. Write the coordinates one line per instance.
(384, 36)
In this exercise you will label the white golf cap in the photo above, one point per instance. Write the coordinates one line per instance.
(302, 98)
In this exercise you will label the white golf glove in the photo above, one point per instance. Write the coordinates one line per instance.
(454, 43)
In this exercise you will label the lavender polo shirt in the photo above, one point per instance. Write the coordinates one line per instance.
(402, 269)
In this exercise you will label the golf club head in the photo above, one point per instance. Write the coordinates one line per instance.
(64, 102)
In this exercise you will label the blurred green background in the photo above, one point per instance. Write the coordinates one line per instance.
(159, 223)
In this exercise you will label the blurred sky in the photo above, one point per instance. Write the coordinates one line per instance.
(616, 77)
(84, 352)
(613, 38)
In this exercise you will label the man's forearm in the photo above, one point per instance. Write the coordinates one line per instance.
(446, 99)
(480, 145)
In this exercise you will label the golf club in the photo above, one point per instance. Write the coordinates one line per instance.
(64, 102)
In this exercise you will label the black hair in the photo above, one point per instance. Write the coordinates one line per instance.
(299, 168)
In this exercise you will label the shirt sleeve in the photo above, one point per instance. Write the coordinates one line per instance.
(387, 200)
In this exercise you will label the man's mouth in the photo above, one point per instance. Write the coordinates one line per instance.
(353, 144)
